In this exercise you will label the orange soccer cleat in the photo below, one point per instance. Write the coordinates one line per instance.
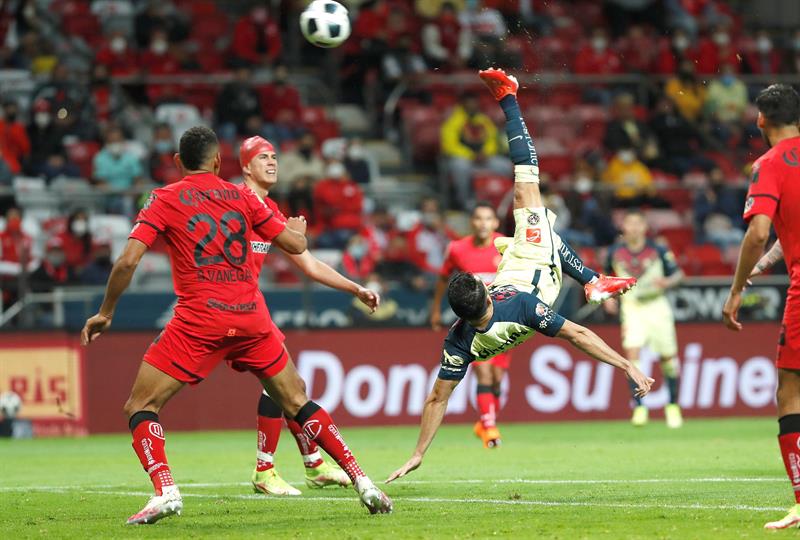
(607, 287)
(490, 437)
(499, 83)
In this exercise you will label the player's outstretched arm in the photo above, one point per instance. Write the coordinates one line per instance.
(432, 415)
(118, 281)
(752, 248)
(322, 273)
(593, 345)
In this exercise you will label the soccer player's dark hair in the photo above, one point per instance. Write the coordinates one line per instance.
(141, 416)
(306, 412)
(467, 296)
(780, 105)
(483, 204)
(268, 408)
(196, 146)
(789, 424)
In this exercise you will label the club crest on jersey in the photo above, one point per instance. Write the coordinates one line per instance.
(748, 205)
(541, 309)
(533, 219)
(534, 236)
(149, 200)
(260, 247)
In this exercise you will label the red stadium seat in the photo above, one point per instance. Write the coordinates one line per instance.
(84, 25)
(82, 154)
(703, 259)
(678, 238)
(557, 166)
(492, 188)
(210, 28)
(680, 199)
(312, 115)
(590, 259)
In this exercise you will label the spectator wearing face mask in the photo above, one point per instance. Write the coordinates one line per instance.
(99, 267)
(237, 102)
(596, 57)
(118, 56)
(53, 270)
(716, 51)
(630, 178)
(15, 147)
(47, 156)
(627, 131)
(158, 59)
(726, 102)
(427, 241)
(763, 58)
(257, 38)
(114, 168)
(358, 261)
(638, 49)
(283, 109)
(447, 44)
(15, 253)
(303, 161)
(673, 51)
(686, 92)
(338, 206)
(162, 166)
(76, 240)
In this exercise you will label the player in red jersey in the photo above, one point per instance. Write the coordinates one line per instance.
(259, 163)
(478, 255)
(774, 198)
(209, 226)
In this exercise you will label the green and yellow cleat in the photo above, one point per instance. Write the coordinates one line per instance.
(269, 482)
(673, 416)
(792, 519)
(326, 474)
(640, 416)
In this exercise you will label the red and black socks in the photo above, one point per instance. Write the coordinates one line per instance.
(485, 399)
(319, 427)
(270, 422)
(149, 443)
(497, 392)
(789, 440)
(308, 448)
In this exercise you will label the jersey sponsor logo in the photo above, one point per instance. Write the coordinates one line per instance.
(222, 306)
(509, 342)
(748, 205)
(533, 236)
(452, 360)
(156, 431)
(150, 200)
(260, 247)
(790, 158)
(533, 219)
(227, 275)
(196, 197)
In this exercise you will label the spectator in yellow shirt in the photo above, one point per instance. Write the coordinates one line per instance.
(469, 144)
(630, 178)
(686, 92)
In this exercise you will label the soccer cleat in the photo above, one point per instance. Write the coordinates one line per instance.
(376, 501)
(491, 437)
(792, 519)
(326, 474)
(606, 287)
(477, 429)
(500, 84)
(673, 416)
(640, 416)
(158, 507)
(269, 482)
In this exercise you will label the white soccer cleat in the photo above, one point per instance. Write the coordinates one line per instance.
(673, 416)
(158, 507)
(376, 501)
(792, 519)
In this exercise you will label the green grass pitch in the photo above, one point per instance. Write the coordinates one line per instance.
(711, 479)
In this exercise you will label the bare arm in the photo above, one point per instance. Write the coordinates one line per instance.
(432, 415)
(590, 343)
(436, 303)
(118, 281)
(769, 259)
(752, 248)
(293, 238)
(320, 272)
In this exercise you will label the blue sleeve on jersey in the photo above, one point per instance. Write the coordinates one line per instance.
(456, 357)
(668, 260)
(541, 317)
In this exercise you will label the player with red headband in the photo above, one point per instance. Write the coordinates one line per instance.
(259, 163)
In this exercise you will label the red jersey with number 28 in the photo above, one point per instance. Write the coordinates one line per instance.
(464, 256)
(209, 226)
(775, 192)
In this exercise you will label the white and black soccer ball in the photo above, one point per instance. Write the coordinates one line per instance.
(10, 404)
(325, 23)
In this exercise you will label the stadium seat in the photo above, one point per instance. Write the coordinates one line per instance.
(680, 199)
(180, 116)
(678, 238)
(111, 226)
(75, 192)
(492, 188)
(660, 219)
(31, 193)
(703, 260)
(82, 153)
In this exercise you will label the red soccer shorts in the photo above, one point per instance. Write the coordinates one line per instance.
(789, 342)
(502, 360)
(191, 358)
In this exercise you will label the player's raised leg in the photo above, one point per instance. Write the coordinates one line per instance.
(151, 390)
(288, 390)
(270, 422)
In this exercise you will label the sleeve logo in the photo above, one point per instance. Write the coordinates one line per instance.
(748, 205)
(453, 360)
(533, 236)
(533, 219)
(149, 200)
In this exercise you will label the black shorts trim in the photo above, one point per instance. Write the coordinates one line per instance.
(189, 373)
(767, 195)
(283, 352)
(150, 224)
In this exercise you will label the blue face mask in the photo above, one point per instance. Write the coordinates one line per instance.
(163, 147)
(727, 80)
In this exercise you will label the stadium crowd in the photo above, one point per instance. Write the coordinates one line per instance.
(96, 94)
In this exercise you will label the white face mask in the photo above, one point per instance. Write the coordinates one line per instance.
(680, 43)
(626, 156)
(159, 46)
(79, 227)
(721, 38)
(583, 184)
(599, 44)
(114, 148)
(118, 44)
(42, 119)
(764, 44)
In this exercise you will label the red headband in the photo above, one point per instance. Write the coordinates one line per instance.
(252, 147)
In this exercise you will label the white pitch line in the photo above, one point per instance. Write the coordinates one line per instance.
(506, 502)
(530, 481)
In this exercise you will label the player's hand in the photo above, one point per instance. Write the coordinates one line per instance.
(411, 465)
(642, 382)
(94, 326)
(436, 319)
(297, 224)
(369, 298)
(730, 311)
(611, 306)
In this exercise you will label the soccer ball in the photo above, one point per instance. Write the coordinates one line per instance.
(325, 23)
(10, 404)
